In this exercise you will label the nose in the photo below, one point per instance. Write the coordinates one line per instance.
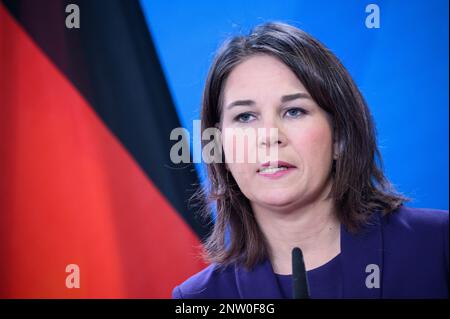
(271, 135)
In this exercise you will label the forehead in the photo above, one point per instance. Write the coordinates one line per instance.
(261, 76)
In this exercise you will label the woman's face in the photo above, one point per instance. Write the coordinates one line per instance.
(272, 97)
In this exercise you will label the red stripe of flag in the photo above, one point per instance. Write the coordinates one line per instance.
(71, 194)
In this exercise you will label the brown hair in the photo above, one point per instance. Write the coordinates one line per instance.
(359, 186)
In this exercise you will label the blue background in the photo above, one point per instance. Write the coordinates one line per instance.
(401, 69)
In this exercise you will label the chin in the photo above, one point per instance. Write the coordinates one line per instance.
(280, 200)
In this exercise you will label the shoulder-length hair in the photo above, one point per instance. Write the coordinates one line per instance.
(359, 185)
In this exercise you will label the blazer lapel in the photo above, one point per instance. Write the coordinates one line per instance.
(259, 283)
(362, 255)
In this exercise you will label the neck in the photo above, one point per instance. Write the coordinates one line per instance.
(314, 228)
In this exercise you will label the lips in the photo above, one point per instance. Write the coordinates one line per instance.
(273, 167)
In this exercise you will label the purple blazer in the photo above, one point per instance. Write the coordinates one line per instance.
(409, 246)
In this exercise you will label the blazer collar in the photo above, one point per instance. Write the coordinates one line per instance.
(357, 252)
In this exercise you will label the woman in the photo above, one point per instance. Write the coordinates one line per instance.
(325, 192)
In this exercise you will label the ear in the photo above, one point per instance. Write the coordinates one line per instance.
(336, 144)
(337, 149)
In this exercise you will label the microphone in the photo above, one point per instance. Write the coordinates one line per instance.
(299, 281)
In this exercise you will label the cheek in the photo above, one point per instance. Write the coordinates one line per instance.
(314, 144)
(239, 158)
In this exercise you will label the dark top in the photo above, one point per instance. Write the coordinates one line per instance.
(323, 282)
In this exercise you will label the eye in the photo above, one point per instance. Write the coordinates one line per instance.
(243, 117)
(295, 112)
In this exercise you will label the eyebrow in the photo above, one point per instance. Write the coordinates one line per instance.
(284, 98)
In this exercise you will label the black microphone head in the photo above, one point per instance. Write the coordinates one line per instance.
(297, 254)
(299, 280)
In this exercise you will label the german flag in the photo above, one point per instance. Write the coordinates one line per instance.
(90, 204)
